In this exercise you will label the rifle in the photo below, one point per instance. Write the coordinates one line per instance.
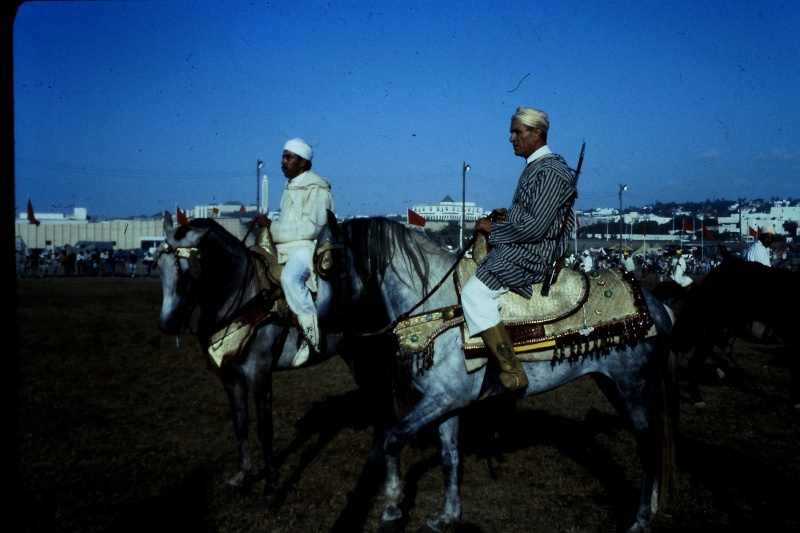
(554, 268)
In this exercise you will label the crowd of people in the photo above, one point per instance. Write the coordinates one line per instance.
(68, 262)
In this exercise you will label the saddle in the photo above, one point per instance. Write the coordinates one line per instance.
(583, 312)
(269, 305)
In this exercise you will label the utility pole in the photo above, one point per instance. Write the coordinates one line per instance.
(464, 169)
(741, 229)
(621, 189)
(259, 166)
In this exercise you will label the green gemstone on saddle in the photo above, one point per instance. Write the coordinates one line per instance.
(414, 338)
(608, 293)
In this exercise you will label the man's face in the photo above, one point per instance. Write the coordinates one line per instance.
(767, 238)
(292, 164)
(524, 139)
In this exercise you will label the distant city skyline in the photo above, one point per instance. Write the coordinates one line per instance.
(132, 107)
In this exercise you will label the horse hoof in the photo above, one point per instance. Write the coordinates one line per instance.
(393, 526)
(700, 404)
(238, 479)
(269, 501)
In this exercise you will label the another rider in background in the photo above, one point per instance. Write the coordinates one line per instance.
(304, 213)
(524, 241)
(759, 250)
(627, 262)
(678, 270)
(587, 263)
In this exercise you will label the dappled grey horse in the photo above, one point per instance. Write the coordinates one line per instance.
(392, 269)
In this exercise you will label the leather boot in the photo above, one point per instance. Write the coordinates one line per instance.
(309, 330)
(498, 340)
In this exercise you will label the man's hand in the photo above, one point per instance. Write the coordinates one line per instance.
(483, 225)
(498, 215)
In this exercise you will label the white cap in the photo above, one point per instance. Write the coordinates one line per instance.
(768, 229)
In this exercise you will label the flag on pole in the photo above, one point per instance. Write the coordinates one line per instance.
(31, 218)
(707, 233)
(183, 220)
(577, 224)
(415, 219)
(644, 228)
(753, 232)
(687, 226)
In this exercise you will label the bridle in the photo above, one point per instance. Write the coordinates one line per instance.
(190, 253)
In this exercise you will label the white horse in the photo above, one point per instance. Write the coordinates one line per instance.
(392, 270)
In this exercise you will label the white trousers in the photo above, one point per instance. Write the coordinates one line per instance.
(293, 281)
(481, 305)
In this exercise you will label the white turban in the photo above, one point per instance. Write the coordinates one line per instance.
(299, 147)
(768, 229)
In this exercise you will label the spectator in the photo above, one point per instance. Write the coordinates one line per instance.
(759, 250)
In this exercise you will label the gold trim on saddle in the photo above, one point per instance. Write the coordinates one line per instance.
(599, 311)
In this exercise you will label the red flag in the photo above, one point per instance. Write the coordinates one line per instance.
(243, 209)
(707, 234)
(214, 211)
(753, 232)
(644, 228)
(31, 218)
(577, 225)
(687, 226)
(415, 219)
(182, 218)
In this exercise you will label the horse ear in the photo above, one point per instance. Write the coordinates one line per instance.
(167, 221)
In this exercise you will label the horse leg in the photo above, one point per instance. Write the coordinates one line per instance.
(262, 395)
(646, 413)
(235, 386)
(426, 411)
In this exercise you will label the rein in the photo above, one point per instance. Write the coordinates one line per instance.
(405, 315)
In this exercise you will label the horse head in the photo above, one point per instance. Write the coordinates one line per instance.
(201, 265)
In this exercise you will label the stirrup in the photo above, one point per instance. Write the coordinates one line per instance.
(301, 357)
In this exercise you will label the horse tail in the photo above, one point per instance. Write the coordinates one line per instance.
(668, 413)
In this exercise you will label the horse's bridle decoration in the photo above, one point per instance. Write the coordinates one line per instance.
(190, 253)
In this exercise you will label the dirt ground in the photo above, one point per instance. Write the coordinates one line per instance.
(121, 428)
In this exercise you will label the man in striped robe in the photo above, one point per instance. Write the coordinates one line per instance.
(524, 240)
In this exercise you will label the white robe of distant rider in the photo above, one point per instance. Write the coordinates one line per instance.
(679, 272)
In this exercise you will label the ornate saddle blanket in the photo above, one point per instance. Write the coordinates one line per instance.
(603, 309)
(228, 343)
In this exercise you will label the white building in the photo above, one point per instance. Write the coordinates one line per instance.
(449, 210)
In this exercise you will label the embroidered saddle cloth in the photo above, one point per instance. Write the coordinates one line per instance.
(583, 312)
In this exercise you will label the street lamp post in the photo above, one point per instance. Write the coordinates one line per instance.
(464, 169)
(259, 166)
(621, 189)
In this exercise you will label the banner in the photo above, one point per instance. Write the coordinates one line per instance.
(415, 219)
(707, 234)
(31, 218)
(753, 232)
(687, 226)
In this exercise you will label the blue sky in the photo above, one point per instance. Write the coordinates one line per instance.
(132, 107)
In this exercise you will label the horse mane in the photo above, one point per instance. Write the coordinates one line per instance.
(375, 243)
